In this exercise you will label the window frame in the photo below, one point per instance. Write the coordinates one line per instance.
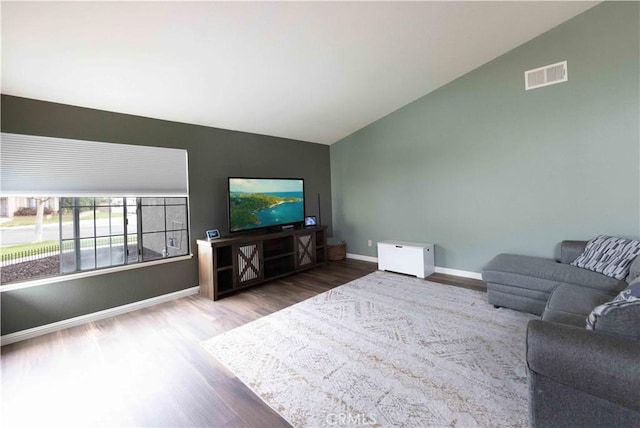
(89, 273)
(127, 264)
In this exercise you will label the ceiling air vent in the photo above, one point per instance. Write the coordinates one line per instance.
(545, 76)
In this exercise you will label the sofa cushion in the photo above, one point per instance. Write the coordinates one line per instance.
(608, 255)
(571, 304)
(538, 273)
(621, 316)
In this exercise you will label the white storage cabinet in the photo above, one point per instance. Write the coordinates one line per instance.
(412, 258)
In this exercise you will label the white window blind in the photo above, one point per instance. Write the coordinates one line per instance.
(46, 166)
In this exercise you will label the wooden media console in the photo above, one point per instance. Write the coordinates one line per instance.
(230, 264)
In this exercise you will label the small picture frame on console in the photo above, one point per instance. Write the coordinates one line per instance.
(213, 234)
(310, 221)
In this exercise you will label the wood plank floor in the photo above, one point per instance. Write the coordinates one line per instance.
(146, 368)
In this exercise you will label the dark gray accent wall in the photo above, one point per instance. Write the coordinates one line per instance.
(214, 155)
(481, 166)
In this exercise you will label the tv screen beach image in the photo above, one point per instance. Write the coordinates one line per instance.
(259, 203)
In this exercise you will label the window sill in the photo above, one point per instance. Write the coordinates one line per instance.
(79, 275)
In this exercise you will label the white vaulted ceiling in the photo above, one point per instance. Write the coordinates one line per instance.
(312, 71)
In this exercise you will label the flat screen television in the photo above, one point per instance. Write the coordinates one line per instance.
(258, 203)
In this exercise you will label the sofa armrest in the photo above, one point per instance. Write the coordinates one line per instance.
(570, 250)
(601, 365)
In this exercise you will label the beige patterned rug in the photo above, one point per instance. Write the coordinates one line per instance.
(385, 350)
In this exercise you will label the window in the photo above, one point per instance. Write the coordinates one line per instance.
(65, 211)
(89, 233)
(164, 227)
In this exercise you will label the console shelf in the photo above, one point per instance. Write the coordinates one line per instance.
(279, 256)
(231, 264)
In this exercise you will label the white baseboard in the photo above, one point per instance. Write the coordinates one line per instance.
(447, 271)
(83, 319)
(363, 258)
(457, 272)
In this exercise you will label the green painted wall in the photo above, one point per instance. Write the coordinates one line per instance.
(480, 166)
(214, 155)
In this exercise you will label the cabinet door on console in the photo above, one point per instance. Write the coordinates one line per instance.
(305, 250)
(249, 267)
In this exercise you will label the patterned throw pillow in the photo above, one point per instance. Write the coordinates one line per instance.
(609, 256)
(621, 316)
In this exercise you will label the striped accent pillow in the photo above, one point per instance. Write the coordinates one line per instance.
(609, 256)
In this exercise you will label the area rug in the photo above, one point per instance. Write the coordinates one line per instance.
(385, 350)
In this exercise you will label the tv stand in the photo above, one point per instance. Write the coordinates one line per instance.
(230, 264)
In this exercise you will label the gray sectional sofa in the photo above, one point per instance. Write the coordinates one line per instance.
(577, 377)
(525, 283)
